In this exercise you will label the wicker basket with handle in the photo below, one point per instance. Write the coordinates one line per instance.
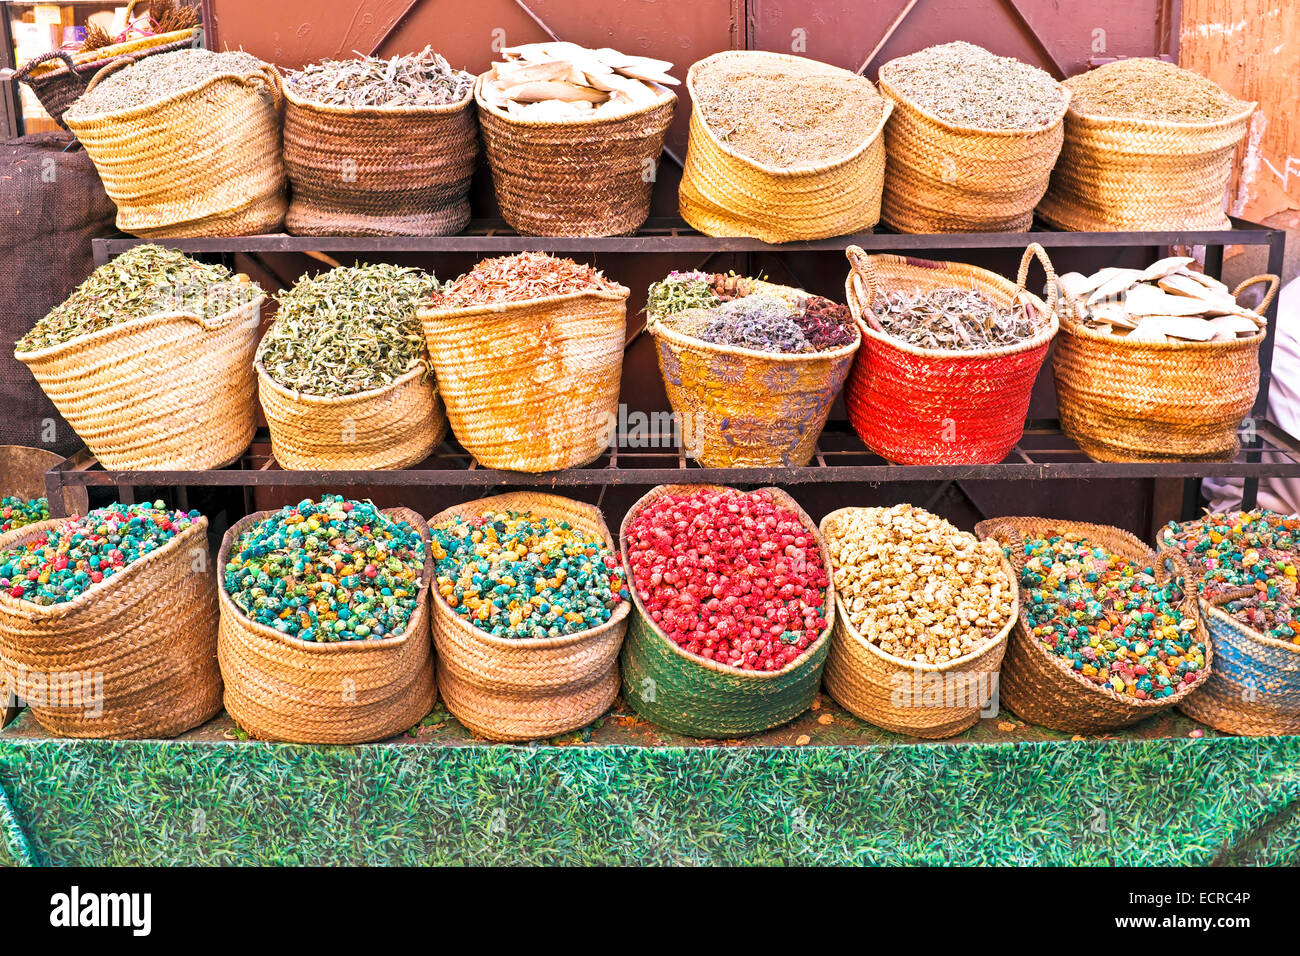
(692, 695)
(280, 687)
(1147, 401)
(1039, 686)
(134, 656)
(525, 689)
(915, 405)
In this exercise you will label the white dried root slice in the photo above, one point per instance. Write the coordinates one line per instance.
(1163, 267)
(1179, 284)
(1116, 285)
(1102, 276)
(1148, 300)
(541, 91)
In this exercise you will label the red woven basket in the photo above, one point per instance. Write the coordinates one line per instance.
(917, 406)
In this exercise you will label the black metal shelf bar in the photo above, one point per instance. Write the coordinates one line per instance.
(1043, 453)
(673, 235)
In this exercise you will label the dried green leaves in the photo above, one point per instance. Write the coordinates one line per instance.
(348, 330)
(952, 319)
(145, 280)
(158, 77)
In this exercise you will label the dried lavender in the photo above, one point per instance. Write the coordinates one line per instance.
(418, 79)
(966, 85)
(348, 330)
(757, 322)
(145, 280)
(158, 77)
(952, 319)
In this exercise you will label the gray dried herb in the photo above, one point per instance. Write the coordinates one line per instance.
(348, 330)
(966, 85)
(418, 79)
(952, 319)
(158, 77)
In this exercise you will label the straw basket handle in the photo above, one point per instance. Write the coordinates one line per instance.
(860, 287)
(1273, 283)
(36, 61)
(1035, 251)
(268, 76)
(112, 67)
(1010, 538)
(1167, 557)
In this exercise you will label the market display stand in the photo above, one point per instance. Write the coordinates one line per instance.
(826, 788)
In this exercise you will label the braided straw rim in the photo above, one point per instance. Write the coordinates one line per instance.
(804, 62)
(1074, 327)
(502, 503)
(656, 326)
(303, 102)
(370, 645)
(1132, 124)
(1166, 540)
(252, 307)
(266, 75)
(53, 612)
(308, 398)
(855, 287)
(620, 294)
(783, 499)
(666, 97)
(1127, 546)
(998, 640)
(1010, 132)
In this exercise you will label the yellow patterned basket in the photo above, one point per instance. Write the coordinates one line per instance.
(739, 407)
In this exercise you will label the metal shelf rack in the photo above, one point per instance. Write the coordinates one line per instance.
(1043, 453)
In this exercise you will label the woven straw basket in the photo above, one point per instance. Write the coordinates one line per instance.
(942, 177)
(378, 171)
(58, 84)
(135, 656)
(580, 178)
(1129, 174)
(395, 426)
(702, 698)
(1255, 685)
(918, 406)
(531, 386)
(283, 688)
(1038, 686)
(516, 690)
(1151, 401)
(170, 390)
(202, 162)
(892, 693)
(724, 194)
(747, 408)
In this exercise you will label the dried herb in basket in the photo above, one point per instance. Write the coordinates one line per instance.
(145, 280)
(348, 330)
(155, 78)
(519, 278)
(419, 79)
(952, 319)
(1147, 89)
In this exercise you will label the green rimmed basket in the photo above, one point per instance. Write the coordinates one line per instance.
(702, 698)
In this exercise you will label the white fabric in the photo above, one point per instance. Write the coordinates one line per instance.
(1275, 494)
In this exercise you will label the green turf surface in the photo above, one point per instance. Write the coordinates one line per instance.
(626, 793)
